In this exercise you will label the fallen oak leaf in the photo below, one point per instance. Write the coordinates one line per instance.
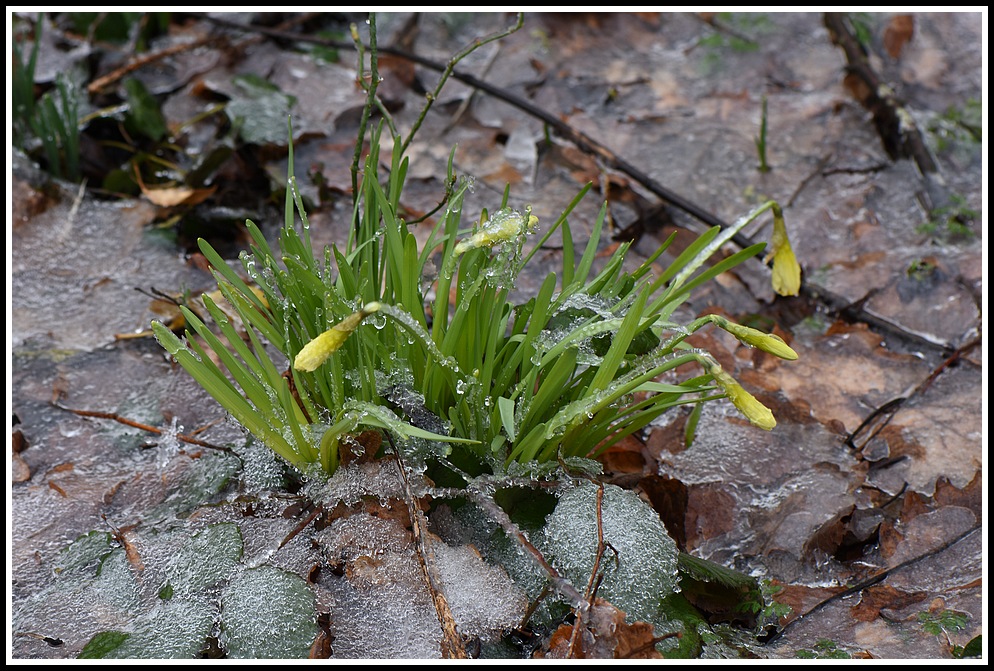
(898, 33)
(171, 196)
(879, 597)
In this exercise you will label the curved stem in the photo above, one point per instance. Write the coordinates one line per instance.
(432, 96)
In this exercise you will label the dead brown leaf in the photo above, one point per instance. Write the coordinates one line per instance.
(361, 448)
(898, 33)
(828, 538)
(844, 372)
(505, 173)
(889, 538)
(127, 538)
(581, 166)
(64, 467)
(321, 647)
(558, 645)
(176, 195)
(669, 497)
(924, 533)
(625, 457)
(801, 598)
(710, 513)
(914, 505)
(670, 438)
(605, 635)
(881, 597)
(18, 443)
(19, 469)
(971, 496)
(26, 202)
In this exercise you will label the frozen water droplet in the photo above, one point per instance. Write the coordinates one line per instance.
(169, 444)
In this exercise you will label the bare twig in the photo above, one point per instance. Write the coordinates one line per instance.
(318, 509)
(374, 82)
(873, 580)
(575, 640)
(883, 414)
(464, 105)
(452, 646)
(99, 84)
(710, 19)
(138, 425)
(449, 71)
(895, 125)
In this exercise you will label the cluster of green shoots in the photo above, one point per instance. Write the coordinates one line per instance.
(52, 122)
(313, 347)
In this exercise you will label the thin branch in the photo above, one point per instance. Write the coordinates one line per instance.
(98, 85)
(883, 414)
(449, 70)
(873, 580)
(895, 125)
(138, 425)
(318, 509)
(464, 105)
(710, 19)
(374, 82)
(452, 646)
(574, 639)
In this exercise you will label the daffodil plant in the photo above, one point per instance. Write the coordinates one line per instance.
(310, 346)
(371, 336)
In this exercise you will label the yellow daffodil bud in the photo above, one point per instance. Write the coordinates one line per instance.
(505, 224)
(786, 270)
(319, 349)
(757, 413)
(767, 342)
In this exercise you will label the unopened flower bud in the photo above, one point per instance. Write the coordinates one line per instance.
(317, 351)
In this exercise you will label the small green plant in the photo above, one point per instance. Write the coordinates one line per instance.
(760, 602)
(425, 342)
(733, 31)
(942, 622)
(50, 123)
(132, 28)
(862, 24)
(22, 88)
(952, 221)
(761, 141)
(958, 125)
(823, 649)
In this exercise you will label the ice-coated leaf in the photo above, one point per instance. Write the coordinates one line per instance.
(483, 599)
(86, 550)
(267, 613)
(640, 566)
(104, 643)
(174, 629)
(210, 474)
(206, 559)
(260, 109)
